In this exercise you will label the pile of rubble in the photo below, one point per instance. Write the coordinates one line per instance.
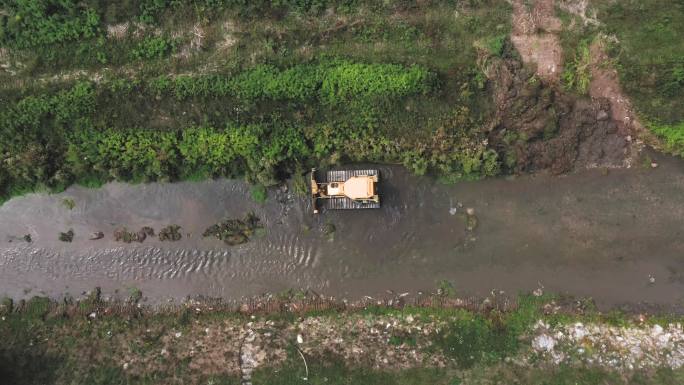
(386, 342)
(620, 347)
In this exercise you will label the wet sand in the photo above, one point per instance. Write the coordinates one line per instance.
(586, 234)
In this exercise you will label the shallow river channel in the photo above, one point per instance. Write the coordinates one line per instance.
(617, 237)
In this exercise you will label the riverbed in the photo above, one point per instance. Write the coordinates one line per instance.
(613, 235)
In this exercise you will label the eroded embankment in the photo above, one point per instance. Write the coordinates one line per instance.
(599, 233)
(540, 125)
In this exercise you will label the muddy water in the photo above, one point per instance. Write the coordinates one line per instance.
(587, 234)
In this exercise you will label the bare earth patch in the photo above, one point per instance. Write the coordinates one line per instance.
(117, 31)
(534, 36)
(579, 8)
(605, 83)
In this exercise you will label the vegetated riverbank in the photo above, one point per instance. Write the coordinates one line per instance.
(227, 89)
(297, 338)
(280, 98)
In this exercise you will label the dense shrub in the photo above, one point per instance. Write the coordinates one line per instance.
(347, 81)
(32, 133)
(333, 82)
(672, 136)
(152, 48)
(80, 134)
(132, 154)
(33, 23)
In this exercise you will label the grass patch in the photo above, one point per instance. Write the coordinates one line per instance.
(259, 193)
(650, 54)
(58, 342)
(671, 135)
(576, 75)
(390, 82)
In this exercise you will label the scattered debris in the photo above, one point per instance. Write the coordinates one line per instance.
(471, 219)
(123, 235)
(234, 231)
(618, 347)
(67, 237)
(68, 203)
(170, 233)
(329, 229)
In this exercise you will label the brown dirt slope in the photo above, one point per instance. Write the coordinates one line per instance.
(551, 129)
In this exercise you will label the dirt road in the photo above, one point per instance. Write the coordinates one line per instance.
(613, 236)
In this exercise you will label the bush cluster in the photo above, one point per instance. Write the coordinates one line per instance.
(31, 23)
(333, 82)
(152, 48)
(80, 135)
(33, 132)
(672, 136)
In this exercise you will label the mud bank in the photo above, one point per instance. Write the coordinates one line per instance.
(615, 236)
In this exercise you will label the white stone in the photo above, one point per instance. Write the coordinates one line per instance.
(544, 342)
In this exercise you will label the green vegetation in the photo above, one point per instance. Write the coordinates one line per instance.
(672, 136)
(85, 342)
(576, 74)
(45, 22)
(68, 203)
(152, 48)
(235, 231)
(259, 193)
(67, 236)
(278, 101)
(650, 61)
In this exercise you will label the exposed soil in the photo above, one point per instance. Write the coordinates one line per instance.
(605, 83)
(539, 127)
(551, 129)
(578, 8)
(534, 36)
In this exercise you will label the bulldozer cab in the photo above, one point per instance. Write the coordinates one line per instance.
(345, 189)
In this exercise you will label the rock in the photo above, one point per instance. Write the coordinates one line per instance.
(300, 339)
(538, 292)
(544, 343)
(602, 115)
(654, 165)
(470, 211)
(96, 235)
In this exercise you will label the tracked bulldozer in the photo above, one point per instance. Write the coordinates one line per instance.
(344, 189)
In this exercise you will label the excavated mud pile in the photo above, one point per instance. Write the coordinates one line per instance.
(540, 127)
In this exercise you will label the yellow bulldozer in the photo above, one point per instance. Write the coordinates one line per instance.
(344, 189)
